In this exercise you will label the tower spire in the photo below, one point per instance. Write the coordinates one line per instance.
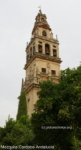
(40, 9)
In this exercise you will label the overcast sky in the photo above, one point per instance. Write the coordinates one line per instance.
(17, 18)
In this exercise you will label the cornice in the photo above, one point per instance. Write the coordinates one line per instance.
(33, 85)
(47, 39)
(43, 57)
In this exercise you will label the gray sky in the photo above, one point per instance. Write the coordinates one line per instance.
(16, 23)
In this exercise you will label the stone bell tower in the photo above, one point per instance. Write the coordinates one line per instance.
(42, 60)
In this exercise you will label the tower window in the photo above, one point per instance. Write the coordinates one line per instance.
(44, 33)
(27, 57)
(30, 52)
(28, 100)
(42, 19)
(40, 48)
(53, 72)
(54, 52)
(47, 49)
(28, 104)
(34, 50)
(44, 70)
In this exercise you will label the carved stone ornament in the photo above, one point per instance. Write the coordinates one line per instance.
(48, 65)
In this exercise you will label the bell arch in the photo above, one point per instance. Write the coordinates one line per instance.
(47, 49)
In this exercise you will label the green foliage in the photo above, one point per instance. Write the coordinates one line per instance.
(22, 108)
(1, 134)
(18, 132)
(59, 105)
(76, 143)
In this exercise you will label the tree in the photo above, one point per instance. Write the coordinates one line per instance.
(22, 108)
(59, 105)
(44, 115)
(6, 138)
(1, 134)
(18, 132)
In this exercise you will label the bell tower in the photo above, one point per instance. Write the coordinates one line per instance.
(42, 60)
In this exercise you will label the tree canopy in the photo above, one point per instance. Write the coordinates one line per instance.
(17, 132)
(22, 107)
(57, 117)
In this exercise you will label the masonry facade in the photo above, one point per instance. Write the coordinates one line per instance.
(42, 60)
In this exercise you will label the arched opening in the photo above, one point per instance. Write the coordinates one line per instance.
(40, 48)
(53, 72)
(42, 19)
(54, 52)
(28, 105)
(27, 57)
(33, 49)
(47, 49)
(30, 52)
(44, 33)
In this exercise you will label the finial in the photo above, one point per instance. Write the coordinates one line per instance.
(56, 37)
(40, 9)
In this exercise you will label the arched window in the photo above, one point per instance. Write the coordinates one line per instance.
(28, 105)
(33, 49)
(53, 72)
(47, 49)
(30, 52)
(54, 52)
(42, 19)
(44, 33)
(27, 57)
(40, 48)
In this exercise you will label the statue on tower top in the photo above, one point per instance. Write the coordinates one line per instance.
(40, 9)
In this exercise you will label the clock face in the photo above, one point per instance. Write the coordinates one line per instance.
(44, 33)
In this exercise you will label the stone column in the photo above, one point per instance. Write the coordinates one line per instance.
(58, 50)
(43, 47)
(36, 46)
(35, 79)
(51, 50)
